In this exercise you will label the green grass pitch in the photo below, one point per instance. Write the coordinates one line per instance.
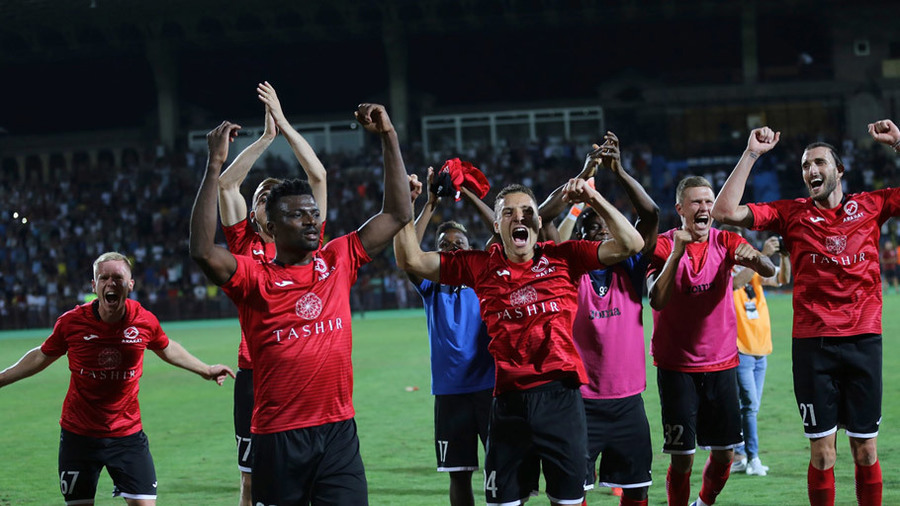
(188, 421)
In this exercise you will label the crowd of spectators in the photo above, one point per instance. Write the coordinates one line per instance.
(54, 222)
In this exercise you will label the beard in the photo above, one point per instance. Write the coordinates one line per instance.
(827, 189)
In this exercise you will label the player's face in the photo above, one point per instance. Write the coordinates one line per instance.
(593, 228)
(518, 223)
(694, 209)
(820, 173)
(259, 207)
(295, 223)
(452, 240)
(112, 283)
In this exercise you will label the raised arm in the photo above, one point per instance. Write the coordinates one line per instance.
(312, 166)
(176, 355)
(728, 208)
(886, 132)
(484, 211)
(626, 240)
(661, 284)
(232, 206)
(396, 211)
(215, 261)
(30, 364)
(554, 204)
(430, 206)
(647, 223)
(412, 259)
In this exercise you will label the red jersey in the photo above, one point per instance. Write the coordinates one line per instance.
(243, 240)
(106, 361)
(697, 330)
(297, 326)
(529, 308)
(834, 257)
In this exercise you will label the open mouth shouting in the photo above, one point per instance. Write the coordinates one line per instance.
(815, 184)
(703, 220)
(520, 236)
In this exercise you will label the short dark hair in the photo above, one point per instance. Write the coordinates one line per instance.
(512, 188)
(684, 184)
(448, 225)
(837, 159)
(285, 189)
(586, 213)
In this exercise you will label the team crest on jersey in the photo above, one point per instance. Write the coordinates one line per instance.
(109, 358)
(836, 244)
(308, 307)
(131, 333)
(851, 207)
(541, 266)
(523, 296)
(321, 266)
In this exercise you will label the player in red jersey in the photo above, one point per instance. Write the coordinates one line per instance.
(694, 346)
(101, 419)
(248, 236)
(528, 294)
(296, 314)
(833, 240)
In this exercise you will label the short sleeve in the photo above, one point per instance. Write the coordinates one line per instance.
(55, 345)
(158, 340)
(462, 267)
(767, 216)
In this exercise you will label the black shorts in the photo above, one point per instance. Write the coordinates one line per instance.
(837, 383)
(618, 429)
(545, 423)
(699, 409)
(460, 420)
(318, 465)
(243, 413)
(127, 460)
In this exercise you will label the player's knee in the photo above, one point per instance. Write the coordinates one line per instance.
(636, 494)
(822, 454)
(682, 463)
(864, 452)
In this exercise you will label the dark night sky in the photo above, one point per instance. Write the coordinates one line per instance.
(116, 88)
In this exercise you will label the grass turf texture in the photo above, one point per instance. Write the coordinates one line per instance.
(188, 421)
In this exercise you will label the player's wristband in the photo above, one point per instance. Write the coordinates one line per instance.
(896, 146)
(574, 212)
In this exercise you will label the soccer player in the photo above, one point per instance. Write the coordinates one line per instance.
(528, 299)
(101, 419)
(609, 334)
(693, 344)
(462, 370)
(248, 236)
(296, 314)
(754, 339)
(833, 240)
